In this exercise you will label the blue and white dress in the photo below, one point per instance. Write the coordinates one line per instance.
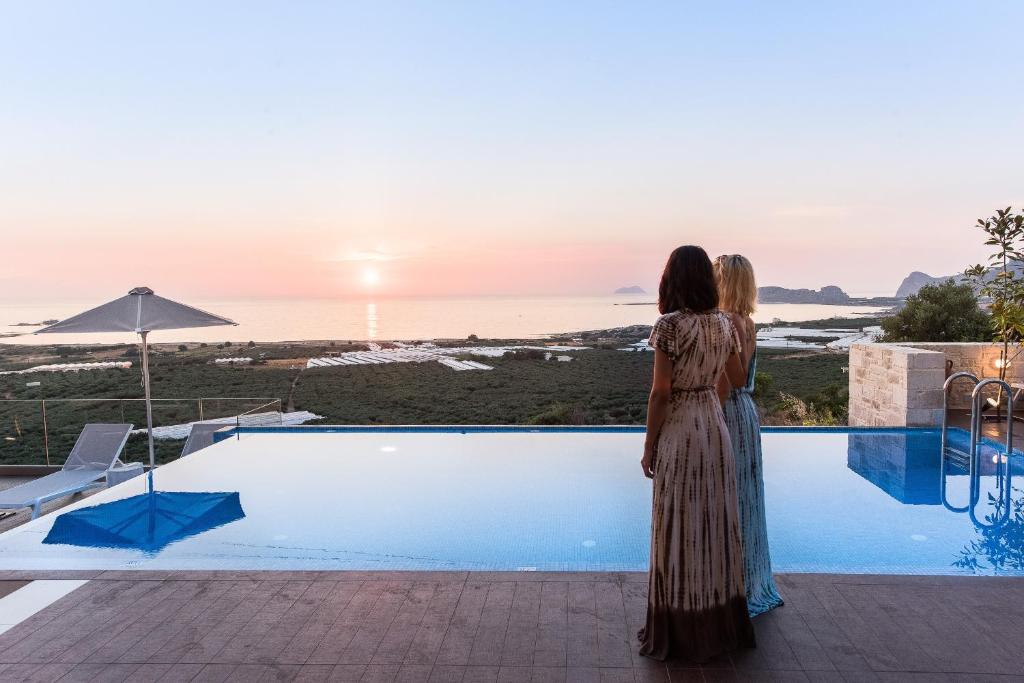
(744, 424)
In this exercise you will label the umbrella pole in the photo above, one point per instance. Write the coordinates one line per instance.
(149, 404)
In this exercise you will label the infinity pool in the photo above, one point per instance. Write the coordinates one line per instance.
(844, 501)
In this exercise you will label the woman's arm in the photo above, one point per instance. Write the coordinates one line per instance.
(745, 330)
(735, 374)
(657, 407)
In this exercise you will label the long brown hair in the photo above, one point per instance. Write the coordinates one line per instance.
(688, 282)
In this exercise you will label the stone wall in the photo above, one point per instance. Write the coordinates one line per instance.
(979, 359)
(900, 385)
(895, 386)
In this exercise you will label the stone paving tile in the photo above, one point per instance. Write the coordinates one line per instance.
(242, 646)
(148, 673)
(180, 673)
(343, 629)
(205, 649)
(448, 627)
(437, 619)
(394, 645)
(143, 650)
(172, 649)
(487, 644)
(98, 673)
(457, 641)
(367, 638)
(309, 636)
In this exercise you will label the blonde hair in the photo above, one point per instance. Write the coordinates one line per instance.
(737, 288)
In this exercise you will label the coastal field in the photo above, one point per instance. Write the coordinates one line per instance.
(600, 385)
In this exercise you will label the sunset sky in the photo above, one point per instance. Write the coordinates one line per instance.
(330, 149)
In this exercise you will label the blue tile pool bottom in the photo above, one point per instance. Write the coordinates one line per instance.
(556, 499)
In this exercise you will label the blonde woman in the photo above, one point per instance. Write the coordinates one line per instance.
(737, 294)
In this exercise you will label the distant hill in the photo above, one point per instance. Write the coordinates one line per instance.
(913, 283)
(635, 289)
(829, 296)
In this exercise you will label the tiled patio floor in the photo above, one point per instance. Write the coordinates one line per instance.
(392, 627)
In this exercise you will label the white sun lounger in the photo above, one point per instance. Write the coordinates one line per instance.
(201, 436)
(97, 450)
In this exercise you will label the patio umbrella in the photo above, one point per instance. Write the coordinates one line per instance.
(141, 312)
(149, 521)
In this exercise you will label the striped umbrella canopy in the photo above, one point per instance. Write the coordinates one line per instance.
(142, 312)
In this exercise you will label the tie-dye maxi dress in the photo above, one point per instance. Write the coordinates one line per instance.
(745, 432)
(696, 603)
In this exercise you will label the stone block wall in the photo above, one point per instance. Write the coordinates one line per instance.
(895, 386)
(900, 385)
(979, 359)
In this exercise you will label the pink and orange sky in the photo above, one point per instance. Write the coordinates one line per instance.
(334, 150)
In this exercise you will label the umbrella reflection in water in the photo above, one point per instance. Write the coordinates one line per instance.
(149, 522)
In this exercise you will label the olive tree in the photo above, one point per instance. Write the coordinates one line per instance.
(946, 312)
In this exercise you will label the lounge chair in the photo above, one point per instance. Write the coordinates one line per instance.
(97, 450)
(201, 436)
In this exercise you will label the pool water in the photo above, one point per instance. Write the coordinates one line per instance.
(844, 501)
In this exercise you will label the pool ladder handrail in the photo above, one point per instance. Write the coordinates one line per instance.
(976, 414)
(945, 402)
(945, 428)
(974, 471)
(1003, 459)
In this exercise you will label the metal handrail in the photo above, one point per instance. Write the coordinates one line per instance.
(974, 485)
(1004, 476)
(155, 400)
(43, 405)
(976, 414)
(1003, 482)
(276, 402)
(945, 400)
(945, 428)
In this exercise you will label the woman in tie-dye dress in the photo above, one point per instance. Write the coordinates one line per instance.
(696, 604)
(737, 295)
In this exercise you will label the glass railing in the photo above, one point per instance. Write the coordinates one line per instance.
(42, 431)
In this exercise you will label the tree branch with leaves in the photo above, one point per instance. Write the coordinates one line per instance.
(999, 281)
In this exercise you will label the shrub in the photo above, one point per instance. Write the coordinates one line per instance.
(525, 354)
(560, 414)
(808, 413)
(946, 312)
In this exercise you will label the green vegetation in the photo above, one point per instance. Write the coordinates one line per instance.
(999, 282)
(808, 387)
(600, 386)
(946, 312)
(829, 323)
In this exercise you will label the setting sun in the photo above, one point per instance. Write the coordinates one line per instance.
(370, 277)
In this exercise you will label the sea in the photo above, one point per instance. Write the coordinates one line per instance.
(391, 319)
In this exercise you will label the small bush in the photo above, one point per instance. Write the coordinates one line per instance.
(560, 414)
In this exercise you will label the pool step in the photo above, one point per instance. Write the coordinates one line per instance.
(960, 459)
